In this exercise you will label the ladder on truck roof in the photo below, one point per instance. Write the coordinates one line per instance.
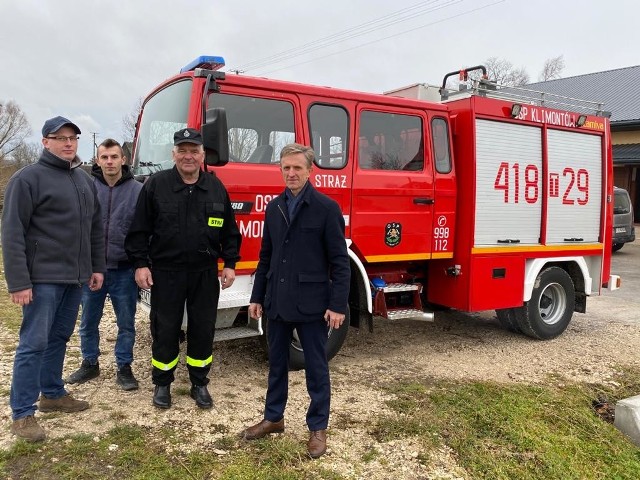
(473, 85)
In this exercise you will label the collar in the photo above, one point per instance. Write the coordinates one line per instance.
(296, 198)
(180, 185)
(55, 161)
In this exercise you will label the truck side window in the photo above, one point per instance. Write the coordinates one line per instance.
(390, 141)
(258, 127)
(440, 134)
(329, 125)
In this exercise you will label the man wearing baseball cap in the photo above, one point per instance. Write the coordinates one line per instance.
(183, 225)
(52, 244)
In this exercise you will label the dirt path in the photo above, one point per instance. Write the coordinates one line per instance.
(455, 346)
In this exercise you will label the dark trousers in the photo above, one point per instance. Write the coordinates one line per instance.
(169, 294)
(313, 337)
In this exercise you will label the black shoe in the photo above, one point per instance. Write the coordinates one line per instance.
(125, 378)
(86, 372)
(162, 396)
(201, 395)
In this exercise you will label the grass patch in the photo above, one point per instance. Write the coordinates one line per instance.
(139, 453)
(517, 431)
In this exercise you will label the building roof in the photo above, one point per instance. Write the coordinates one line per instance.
(626, 153)
(618, 90)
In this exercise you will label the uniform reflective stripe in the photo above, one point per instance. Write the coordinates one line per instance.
(199, 363)
(164, 366)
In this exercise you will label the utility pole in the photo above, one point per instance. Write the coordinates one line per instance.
(95, 146)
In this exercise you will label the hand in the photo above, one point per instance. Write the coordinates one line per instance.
(228, 276)
(143, 277)
(255, 310)
(95, 282)
(334, 320)
(23, 297)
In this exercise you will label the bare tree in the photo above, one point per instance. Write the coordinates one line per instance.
(242, 143)
(14, 128)
(552, 69)
(129, 122)
(504, 73)
(26, 153)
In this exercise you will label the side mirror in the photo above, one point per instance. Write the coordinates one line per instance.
(215, 137)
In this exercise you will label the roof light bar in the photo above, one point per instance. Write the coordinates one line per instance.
(204, 61)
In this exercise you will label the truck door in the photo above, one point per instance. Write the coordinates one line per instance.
(392, 197)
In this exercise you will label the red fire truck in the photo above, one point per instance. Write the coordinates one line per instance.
(486, 199)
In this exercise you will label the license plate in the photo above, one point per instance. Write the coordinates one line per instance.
(621, 230)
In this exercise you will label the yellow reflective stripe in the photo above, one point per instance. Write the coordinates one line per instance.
(164, 366)
(199, 363)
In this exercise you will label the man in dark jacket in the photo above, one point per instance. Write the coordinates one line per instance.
(302, 280)
(117, 192)
(52, 243)
(183, 224)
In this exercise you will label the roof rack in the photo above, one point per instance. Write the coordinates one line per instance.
(470, 86)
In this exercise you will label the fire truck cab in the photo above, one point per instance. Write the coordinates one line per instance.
(474, 203)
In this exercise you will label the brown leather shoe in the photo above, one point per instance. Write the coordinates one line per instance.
(260, 430)
(317, 444)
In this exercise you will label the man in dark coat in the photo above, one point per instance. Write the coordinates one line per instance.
(302, 283)
(52, 244)
(182, 225)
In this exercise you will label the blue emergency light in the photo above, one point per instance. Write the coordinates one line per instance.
(204, 61)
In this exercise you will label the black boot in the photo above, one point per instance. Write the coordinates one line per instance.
(86, 372)
(125, 378)
(162, 396)
(201, 395)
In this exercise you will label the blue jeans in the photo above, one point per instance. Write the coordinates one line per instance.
(121, 286)
(47, 324)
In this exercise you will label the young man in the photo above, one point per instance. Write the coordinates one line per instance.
(117, 193)
(305, 254)
(52, 243)
(183, 224)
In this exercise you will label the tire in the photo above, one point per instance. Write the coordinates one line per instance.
(335, 340)
(616, 246)
(551, 307)
(507, 318)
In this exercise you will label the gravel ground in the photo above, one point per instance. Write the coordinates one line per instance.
(455, 346)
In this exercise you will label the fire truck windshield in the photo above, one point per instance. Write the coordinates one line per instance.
(162, 114)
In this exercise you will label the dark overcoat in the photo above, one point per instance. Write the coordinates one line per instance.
(304, 266)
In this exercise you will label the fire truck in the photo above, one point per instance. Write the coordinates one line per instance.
(485, 198)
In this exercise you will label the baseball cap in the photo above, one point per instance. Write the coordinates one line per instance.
(56, 123)
(187, 135)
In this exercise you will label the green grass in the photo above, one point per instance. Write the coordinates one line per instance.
(516, 431)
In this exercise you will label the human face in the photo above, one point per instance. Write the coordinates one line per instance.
(295, 171)
(188, 158)
(110, 161)
(65, 149)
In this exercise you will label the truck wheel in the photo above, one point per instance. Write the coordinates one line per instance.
(507, 318)
(336, 337)
(550, 309)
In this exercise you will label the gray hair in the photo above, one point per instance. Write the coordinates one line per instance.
(294, 148)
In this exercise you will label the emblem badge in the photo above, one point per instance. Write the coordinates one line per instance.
(186, 133)
(392, 234)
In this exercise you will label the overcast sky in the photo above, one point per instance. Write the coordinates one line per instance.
(92, 60)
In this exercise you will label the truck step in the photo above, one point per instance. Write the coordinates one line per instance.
(400, 287)
(233, 299)
(232, 333)
(411, 313)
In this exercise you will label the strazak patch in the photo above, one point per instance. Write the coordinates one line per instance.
(215, 222)
(392, 234)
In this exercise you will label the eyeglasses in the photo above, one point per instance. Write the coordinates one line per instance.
(73, 138)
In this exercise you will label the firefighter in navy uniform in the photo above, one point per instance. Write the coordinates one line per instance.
(182, 225)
